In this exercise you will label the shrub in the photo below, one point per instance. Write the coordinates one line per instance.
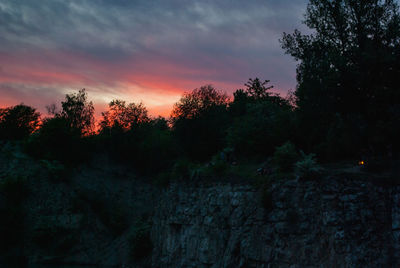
(182, 170)
(307, 167)
(218, 165)
(285, 157)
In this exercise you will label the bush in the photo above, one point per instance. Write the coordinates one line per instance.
(218, 165)
(183, 169)
(285, 157)
(307, 167)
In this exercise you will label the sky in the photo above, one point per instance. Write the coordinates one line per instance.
(148, 51)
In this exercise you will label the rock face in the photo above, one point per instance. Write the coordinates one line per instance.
(92, 217)
(329, 223)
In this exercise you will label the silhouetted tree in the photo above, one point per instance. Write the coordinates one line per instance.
(198, 101)
(255, 91)
(123, 116)
(18, 122)
(349, 68)
(56, 140)
(200, 120)
(261, 120)
(62, 136)
(77, 111)
(131, 136)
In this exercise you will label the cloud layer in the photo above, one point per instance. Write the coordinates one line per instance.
(148, 51)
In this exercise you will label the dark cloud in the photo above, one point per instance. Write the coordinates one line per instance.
(103, 41)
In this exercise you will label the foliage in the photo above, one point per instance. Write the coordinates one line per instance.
(200, 120)
(77, 112)
(156, 149)
(348, 67)
(56, 140)
(149, 146)
(198, 101)
(261, 120)
(264, 126)
(285, 157)
(183, 170)
(122, 116)
(18, 122)
(218, 165)
(307, 167)
(132, 137)
(257, 90)
(62, 137)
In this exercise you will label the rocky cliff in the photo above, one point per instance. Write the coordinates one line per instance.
(326, 223)
(97, 215)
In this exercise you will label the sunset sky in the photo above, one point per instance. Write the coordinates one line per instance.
(149, 51)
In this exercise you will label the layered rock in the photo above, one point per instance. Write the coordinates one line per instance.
(329, 223)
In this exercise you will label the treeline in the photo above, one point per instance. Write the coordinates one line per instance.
(346, 106)
(203, 123)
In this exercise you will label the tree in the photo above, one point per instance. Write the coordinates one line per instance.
(261, 120)
(200, 121)
(198, 101)
(263, 126)
(255, 91)
(123, 116)
(349, 66)
(62, 137)
(77, 111)
(18, 122)
(56, 140)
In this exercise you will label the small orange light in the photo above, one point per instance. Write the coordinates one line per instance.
(361, 163)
